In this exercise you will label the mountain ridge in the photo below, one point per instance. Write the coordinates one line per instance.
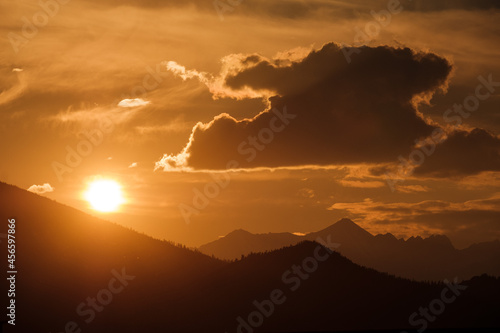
(430, 258)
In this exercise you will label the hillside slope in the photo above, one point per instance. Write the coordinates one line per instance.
(78, 272)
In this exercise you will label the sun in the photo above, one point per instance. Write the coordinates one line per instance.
(104, 195)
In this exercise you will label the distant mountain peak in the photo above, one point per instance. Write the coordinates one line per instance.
(347, 225)
(343, 231)
(239, 232)
(346, 221)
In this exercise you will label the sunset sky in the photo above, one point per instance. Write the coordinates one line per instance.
(315, 106)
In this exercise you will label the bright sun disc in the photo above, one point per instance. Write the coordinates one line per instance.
(104, 195)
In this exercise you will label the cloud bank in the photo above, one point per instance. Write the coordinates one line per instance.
(463, 153)
(474, 220)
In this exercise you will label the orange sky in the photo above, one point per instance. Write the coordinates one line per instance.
(161, 97)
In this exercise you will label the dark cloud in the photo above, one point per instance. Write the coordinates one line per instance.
(374, 70)
(440, 5)
(340, 112)
(293, 9)
(485, 117)
(463, 153)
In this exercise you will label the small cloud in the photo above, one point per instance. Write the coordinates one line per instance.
(412, 188)
(17, 69)
(109, 158)
(132, 102)
(299, 234)
(41, 189)
(133, 165)
(306, 193)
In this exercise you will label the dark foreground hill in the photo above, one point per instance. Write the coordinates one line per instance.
(432, 258)
(77, 273)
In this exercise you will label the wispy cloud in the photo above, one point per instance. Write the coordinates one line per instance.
(361, 183)
(16, 90)
(216, 84)
(92, 117)
(412, 188)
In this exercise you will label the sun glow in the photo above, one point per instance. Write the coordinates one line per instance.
(104, 195)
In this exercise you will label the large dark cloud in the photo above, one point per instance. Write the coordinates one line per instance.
(291, 9)
(299, 8)
(463, 153)
(344, 112)
(440, 5)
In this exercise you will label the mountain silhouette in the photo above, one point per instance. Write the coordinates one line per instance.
(432, 258)
(345, 230)
(77, 272)
(241, 242)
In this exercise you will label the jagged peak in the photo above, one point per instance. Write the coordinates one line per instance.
(387, 235)
(349, 225)
(432, 239)
(439, 239)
